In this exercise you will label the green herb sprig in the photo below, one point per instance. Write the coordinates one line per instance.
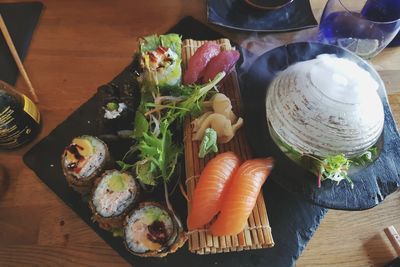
(158, 154)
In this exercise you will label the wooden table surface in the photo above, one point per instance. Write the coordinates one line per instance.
(79, 45)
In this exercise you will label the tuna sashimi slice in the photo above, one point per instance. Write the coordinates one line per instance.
(241, 196)
(214, 179)
(198, 62)
(224, 61)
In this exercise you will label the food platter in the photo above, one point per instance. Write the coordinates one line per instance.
(371, 184)
(46, 164)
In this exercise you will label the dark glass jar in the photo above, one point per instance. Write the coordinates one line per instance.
(19, 118)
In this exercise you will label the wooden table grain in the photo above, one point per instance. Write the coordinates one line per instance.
(80, 45)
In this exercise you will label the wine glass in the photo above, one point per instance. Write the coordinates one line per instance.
(364, 27)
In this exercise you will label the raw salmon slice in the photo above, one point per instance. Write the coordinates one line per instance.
(241, 196)
(206, 200)
(198, 62)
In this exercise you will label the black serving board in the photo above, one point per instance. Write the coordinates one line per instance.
(293, 220)
(21, 20)
(239, 15)
(371, 184)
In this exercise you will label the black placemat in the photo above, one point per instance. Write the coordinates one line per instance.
(21, 20)
(293, 220)
(371, 184)
(238, 15)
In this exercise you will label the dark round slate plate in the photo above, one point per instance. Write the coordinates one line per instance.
(371, 184)
(239, 15)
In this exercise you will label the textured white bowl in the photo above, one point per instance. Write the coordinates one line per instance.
(325, 106)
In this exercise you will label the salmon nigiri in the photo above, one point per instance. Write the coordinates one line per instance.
(241, 196)
(206, 200)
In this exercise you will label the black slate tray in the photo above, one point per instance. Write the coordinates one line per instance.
(21, 20)
(238, 15)
(293, 220)
(371, 184)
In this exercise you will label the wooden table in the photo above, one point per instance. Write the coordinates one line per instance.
(80, 45)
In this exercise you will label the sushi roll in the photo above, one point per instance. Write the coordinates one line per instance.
(161, 61)
(152, 231)
(113, 196)
(117, 103)
(84, 159)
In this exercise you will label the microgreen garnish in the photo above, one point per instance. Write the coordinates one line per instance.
(333, 168)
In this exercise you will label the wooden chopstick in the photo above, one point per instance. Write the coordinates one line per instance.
(15, 55)
(394, 238)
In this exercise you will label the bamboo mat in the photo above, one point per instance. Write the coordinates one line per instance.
(257, 233)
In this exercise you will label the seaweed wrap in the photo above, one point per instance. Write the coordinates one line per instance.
(151, 230)
(161, 62)
(118, 101)
(116, 116)
(84, 159)
(113, 196)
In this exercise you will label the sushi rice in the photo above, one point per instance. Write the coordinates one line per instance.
(113, 196)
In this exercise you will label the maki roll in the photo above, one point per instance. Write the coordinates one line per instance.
(83, 160)
(116, 118)
(113, 196)
(117, 102)
(161, 61)
(152, 231)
